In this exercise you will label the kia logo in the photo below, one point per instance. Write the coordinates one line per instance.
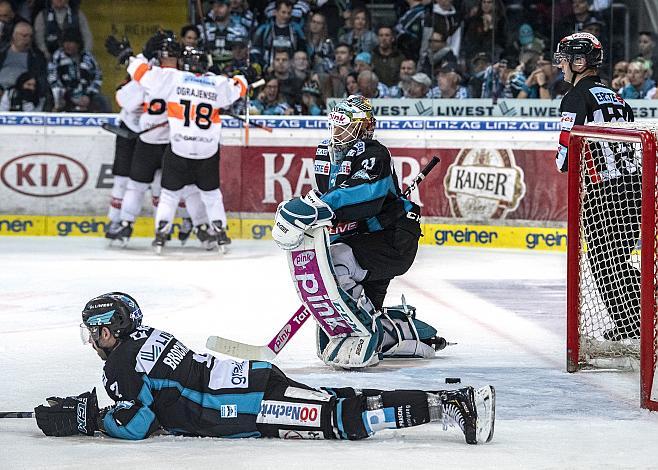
(43, 174)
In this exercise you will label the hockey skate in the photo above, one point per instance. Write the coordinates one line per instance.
(220, 235)
(162, 234)
(120, 232)
(207, 239)
(185, 230)
(473, 410)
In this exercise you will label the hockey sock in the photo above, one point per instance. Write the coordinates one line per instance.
(132, 200)
(214, 203)
(194, 205)
(118, 191)
(167, 206)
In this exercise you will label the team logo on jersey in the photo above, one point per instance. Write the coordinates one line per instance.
(228, 411)
(361, 175)
(287, 413)
(484, 184)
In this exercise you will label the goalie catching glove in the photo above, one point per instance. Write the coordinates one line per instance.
(296, 216)
(70, 415)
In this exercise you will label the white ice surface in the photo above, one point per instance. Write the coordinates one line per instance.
(505, 309)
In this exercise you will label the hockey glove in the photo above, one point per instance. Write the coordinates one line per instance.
(119, 49)
(69, 416)
(296, 216)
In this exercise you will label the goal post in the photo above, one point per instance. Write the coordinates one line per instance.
(611, 251)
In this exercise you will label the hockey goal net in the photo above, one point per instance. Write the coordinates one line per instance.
(612, 268)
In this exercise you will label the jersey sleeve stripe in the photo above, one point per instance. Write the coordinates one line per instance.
(243, 88)
(141, 70)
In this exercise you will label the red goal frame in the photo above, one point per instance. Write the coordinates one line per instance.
(648, 232)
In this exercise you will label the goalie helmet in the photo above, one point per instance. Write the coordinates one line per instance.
(117, 311)
(579, 49)
(193, 60)
(162, 44)
(350, 120)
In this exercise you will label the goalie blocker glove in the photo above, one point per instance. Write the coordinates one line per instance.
(296, 216)
(70, 415)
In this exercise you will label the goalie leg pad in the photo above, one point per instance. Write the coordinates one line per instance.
(403, 335)
(349, 352)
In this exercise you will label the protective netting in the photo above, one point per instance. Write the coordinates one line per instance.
(610, 282)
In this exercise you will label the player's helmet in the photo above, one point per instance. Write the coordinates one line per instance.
(162, 44)
(193, 60)
(115, 310)
(579, 49)
(350, 120)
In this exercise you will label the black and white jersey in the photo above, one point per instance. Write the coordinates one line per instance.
(362, 189)
(157, 382)
(592, 101)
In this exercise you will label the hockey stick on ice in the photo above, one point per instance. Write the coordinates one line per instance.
(268, 352)
(16, 414)
(265, 352)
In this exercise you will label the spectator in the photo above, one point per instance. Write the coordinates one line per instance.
(386, 59)
(360, 37)
(419, 85)
(299, 10)
(574, 22)
(646, 45)
(300, 66)
(342, 68)
(8, 19)
(320, 46)
(619, 79)
(544, 82)
(409, 29)
(25, 96)
(20, 57)
(370, 86)
(639, 86)
(289, 85)
(443, 18)
(527, 63)
(526, 39)
(448, 84)
(51, 22)
(594, 26)
(270, 102)
(279, 33)
(479, 65)
(75, 77)
(437, 53)
(496, 81)
(407, 69)
(311, 99)
(217, 25)
(189, 36)
(363, 61)
(485, 30)
(241, 14)
(352, 84)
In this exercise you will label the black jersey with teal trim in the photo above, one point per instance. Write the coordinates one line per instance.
(157, 382)
(362, 190)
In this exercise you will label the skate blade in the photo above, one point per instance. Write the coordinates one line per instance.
(223, 249)
(485, 404)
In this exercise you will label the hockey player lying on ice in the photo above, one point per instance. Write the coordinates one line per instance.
(375, 231)
(159, 384)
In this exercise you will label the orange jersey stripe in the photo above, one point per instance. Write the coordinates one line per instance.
(175, 110)
(141, 70)
(243, 88)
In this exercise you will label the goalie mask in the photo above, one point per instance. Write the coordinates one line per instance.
(193, 60)
(116, 311)
(350, 120)
(579, 50)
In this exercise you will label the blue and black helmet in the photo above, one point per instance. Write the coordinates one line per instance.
(117, 311)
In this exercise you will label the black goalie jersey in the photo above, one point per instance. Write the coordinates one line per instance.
(592, 101)
(157, 382)
(363, 190)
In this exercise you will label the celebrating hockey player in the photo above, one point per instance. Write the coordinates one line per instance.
(193, 98)
(375, 232)
(611, 209)
(185, 393)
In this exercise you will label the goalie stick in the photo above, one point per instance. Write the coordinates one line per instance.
(269, 351)
(16, 414)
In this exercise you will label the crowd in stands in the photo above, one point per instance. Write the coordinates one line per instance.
(310, 50)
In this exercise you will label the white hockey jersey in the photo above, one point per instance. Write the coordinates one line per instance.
(130, 97)
(193, 104)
